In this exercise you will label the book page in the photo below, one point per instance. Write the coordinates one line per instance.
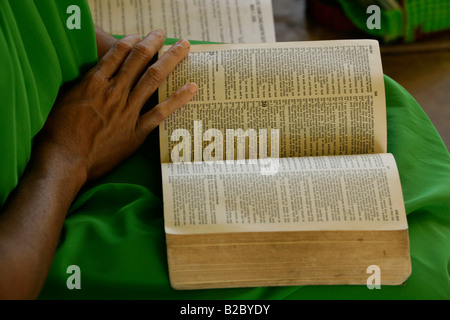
(229, 21)
(323, 97)
(360, 192)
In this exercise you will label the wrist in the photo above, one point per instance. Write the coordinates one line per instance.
(50, 160)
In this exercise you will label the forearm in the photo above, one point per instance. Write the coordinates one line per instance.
(31, 222)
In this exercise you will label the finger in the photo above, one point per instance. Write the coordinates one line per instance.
(155, 74)
(151, 119)
(140, 57)
(114, 58)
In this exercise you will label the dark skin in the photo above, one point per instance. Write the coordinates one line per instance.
(93, 127)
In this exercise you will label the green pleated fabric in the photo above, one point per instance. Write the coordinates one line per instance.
(114, 230)
(37, 54)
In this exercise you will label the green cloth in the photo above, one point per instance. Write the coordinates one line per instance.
(37, 54)
(115, 231)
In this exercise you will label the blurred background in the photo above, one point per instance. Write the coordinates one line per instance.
(415, 53)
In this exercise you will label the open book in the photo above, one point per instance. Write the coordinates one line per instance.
(276, 173)
(220, 21)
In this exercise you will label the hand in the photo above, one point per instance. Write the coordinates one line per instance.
(98, 123)
(92, 127)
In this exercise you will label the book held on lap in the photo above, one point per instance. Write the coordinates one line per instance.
(276, 173)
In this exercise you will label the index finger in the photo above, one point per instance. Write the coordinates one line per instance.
(159, 71)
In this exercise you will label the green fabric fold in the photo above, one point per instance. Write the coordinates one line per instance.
(38, 54)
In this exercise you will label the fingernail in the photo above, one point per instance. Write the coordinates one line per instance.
(184, 43)
(192, 87)
(159, 32)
